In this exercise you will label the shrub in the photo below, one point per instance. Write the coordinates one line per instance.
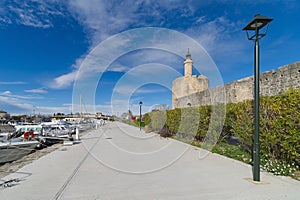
(173, 120)
(147, 119)
(204, 119)
(279, 126)
(158, 120)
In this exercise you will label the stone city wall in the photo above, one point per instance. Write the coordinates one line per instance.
(271, 83)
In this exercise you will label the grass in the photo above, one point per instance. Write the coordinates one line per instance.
(133, 123)
(238, 153)
(228, 150)
(232, 151)
(129, 122)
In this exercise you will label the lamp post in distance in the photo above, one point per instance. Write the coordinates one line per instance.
(255, 25)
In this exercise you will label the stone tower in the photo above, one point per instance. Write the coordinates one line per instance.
(188, 64)
(188, 84)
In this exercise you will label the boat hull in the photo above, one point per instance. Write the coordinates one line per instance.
(15, 150)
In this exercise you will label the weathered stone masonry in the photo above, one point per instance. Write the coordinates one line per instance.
(271, 83)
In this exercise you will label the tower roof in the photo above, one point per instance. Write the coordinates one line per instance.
(188, 54)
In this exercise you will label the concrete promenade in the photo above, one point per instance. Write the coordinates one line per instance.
(118, 161)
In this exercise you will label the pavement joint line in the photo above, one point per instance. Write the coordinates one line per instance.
(63, 188)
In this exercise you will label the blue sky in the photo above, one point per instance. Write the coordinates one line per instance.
(45, 45)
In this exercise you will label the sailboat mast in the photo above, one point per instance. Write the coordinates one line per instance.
(80, 106)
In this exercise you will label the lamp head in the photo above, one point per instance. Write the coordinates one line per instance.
(257, 22)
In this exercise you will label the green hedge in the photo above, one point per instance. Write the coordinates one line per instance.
(279, 124)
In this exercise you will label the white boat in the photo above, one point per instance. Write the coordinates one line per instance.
(55, 133)
(16, 148)
(35, 128)
(56, 130)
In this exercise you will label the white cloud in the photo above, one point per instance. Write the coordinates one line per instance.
(32, 13)
(13, 83)
(51, 110)
(104, 18)
(150, 91)
(6, 93)
(211, 33)
(97, 61)
(64, 80)
(119, 68)
(12, 101)
(125, 89)
(18, 97)
(37, 91)
(91, 108)
(18, 104)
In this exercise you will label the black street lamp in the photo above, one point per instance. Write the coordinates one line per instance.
(141, 115)
(256, 24)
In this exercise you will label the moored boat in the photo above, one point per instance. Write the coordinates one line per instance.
(55, 133)
(35, 128)
(15, 148)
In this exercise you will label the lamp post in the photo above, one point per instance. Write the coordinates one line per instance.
(141, 115)
(255, 25)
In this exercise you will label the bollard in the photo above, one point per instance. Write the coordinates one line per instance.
(77, 134)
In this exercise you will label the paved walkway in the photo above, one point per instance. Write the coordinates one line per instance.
(121, 162)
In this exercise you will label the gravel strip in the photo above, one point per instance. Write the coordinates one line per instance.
(11, 167)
